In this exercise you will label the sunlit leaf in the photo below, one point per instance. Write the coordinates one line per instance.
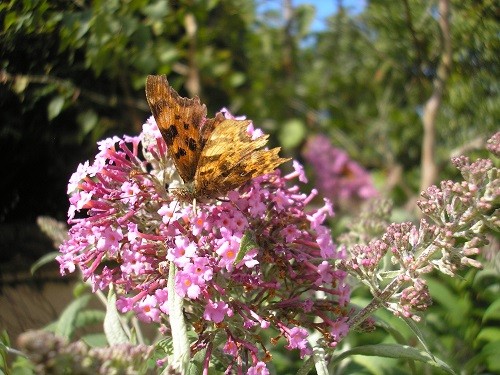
(115, 334)
(247, 243)
(292, 133)
(395, 351)
(46, 259)
(55, 106)
(65, 326)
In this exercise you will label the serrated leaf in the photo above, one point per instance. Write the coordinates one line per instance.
(395, 351)
(247, 243)
(115, 333)
(66, 323)
(166, 344)
(46, 259)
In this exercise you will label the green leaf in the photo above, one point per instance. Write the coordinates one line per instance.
(87, 121)
(237, 79)
(23, 366)
(416, 330)
(394, 351)
(489, 334)
(66, 323)
(449, 300)
(89, 317)
(488, 354)
(113, 328)
(55, 107)
(392, 330)
(492, 312)
(306, 367)
(156, 10)
(247, 243)
(95, 340)
(80, 289)
(20, 84)
(166, 345)
(46, 259)
(195, 366)
(292, 133)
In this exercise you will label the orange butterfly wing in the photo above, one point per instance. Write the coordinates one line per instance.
(230, 157)
(179, 121)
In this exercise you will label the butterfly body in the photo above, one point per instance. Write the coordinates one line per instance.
(212, 156)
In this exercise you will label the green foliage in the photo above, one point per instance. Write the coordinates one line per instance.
(74, 72)
(464, 318)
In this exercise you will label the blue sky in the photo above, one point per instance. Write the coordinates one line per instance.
(324, 8)
(327, 7)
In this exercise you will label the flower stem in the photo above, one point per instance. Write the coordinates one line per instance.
(181, 355)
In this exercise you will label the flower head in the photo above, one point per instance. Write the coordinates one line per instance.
(238, 260)
(338, 177)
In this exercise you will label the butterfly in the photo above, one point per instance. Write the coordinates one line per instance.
(212, 155)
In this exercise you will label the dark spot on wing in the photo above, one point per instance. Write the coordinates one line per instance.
(186, 126)
(191, 143)
(177, 117)
(170, 134)
(180, 153)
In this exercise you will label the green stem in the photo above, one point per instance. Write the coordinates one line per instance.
(181, 355)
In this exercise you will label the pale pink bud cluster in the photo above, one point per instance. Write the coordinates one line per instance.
(461, 213)
(51, 354)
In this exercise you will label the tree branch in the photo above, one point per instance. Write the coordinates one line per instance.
(431, 107)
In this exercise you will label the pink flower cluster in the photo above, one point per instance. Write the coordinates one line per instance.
(252, 261)
(338, 177)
